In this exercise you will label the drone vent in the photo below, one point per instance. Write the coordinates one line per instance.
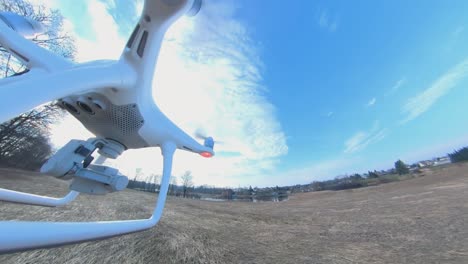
(126, 117)
(142, 44)
(117, 122)
(133, 36)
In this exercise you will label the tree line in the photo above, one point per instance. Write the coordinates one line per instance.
(151, 184)
(188, 190)
(459, 155)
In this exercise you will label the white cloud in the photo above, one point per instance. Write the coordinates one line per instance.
(362, 139)
(396, 87)
(422, 102)
(69, 128)
(138, 7)
(107, 44)
(327, 21)
(209, 75)
(219, 72)
(371, 102)
(110, 4)
(329, 114)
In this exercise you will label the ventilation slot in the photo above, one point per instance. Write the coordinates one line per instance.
(133, 36)
(126, 118)
(85, 107)
(142, 44)
(187, 148)
(70, 108)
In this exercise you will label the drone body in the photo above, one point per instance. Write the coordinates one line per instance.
(126, 112)
(113, 100)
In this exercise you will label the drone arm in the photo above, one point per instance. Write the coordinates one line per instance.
(194, 146)
(28, 52)
(186, 142)
(25, 94)
(143, 47)
(17, 236)
(161, 128)
(32, 199)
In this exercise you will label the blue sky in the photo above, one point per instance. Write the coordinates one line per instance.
(301, 91)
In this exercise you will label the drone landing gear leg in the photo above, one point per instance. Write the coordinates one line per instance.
(167, 150)
(32, 199)
(18, 236)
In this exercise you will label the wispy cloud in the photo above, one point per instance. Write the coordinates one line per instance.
(327, 21)
(362, 139)
(422, 102)
(371, 102)
(138, 8)
(329, 114)
(221, 70)
(105, 29)
(102, 40)
(458, 31)
(396, 87)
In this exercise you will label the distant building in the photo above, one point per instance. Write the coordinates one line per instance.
(425, 163)
(414, 167)
(441, 161)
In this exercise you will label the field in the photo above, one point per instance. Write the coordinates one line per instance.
(421, 220)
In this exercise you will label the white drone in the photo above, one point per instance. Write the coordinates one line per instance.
(113, 100)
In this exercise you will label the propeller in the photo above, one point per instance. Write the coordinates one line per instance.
(208, 141)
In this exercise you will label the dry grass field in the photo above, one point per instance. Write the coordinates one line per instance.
(421, 220)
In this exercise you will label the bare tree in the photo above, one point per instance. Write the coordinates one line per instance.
(54, 38)
(151, 182)
(187, 182)
(172, 184)
(156, 181)
(24, 140)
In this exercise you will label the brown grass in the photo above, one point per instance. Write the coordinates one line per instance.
(421, 220)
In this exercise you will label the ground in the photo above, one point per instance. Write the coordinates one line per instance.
(421, 220)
